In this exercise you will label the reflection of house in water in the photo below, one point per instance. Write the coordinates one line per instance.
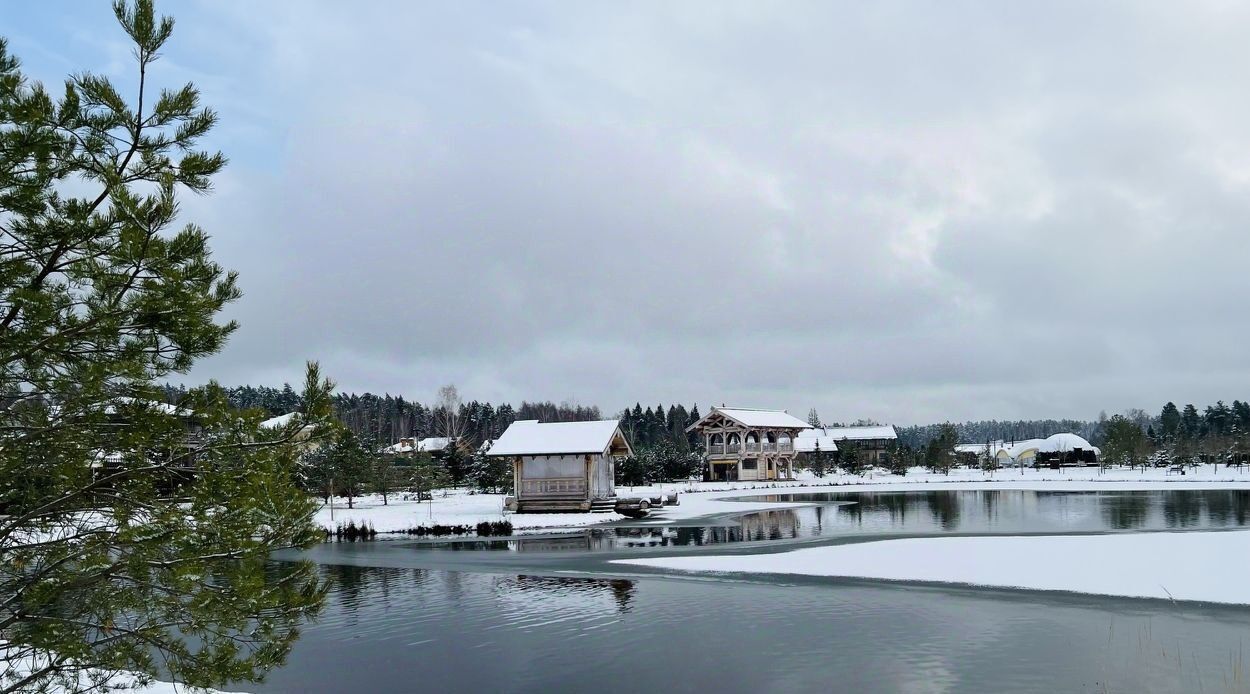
(770, 525)
(645, 537)
(584, 541)
(549, 594)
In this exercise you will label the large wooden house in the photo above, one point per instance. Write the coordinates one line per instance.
(872, 441)
(563, 466)
(745, 444)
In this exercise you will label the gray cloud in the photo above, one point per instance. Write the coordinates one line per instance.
(906, 211)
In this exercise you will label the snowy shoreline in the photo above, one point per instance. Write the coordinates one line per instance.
(702, 499)
(1191, 566)
(92, 679)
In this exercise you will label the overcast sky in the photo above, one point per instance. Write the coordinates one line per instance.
(912, 212)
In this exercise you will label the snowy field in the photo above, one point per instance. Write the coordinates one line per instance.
(699, 499)
(1203, 566)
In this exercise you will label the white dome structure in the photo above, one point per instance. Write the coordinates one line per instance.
(1064, 448)
(1062, 443)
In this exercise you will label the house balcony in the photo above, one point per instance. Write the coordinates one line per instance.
(716, 450)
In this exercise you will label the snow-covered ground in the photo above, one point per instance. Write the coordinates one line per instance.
(449, 507)
(13, 670)
(1203, 566)
(698, 499)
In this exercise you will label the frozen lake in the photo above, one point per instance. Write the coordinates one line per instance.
(407, 616)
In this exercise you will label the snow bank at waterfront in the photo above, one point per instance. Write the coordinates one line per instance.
(19, 664)
(1202, 566)
(450, 507)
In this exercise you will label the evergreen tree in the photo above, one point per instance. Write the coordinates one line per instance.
(454, 462)
(425, 476)
(1169, 423)
(898, 458)
(1124, 443)
(491, 474)
(849, 457)
(812, 418)
(133, 535)
(350, 463)
(820, 461)
(940, 453)
(381, 473)
(1191, 423)
(633, 471)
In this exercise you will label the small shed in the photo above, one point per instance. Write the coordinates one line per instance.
(563, 466)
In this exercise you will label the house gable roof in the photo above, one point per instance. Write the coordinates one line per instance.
(531, 437)
(754, 419)
(868, 433)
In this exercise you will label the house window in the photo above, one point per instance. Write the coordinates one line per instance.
(749, 464)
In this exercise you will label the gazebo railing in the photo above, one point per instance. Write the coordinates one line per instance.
(554, 486)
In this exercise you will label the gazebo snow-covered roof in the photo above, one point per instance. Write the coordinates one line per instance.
(532, 437)
(755, 419)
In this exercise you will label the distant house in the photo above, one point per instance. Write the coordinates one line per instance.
(747, 444)
(972, 453)
(411, 445)
(562, 466)
(813, 441)
(305, 432)
(872, 441)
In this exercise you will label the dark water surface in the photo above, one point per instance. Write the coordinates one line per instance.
(872, 515)
(556, 618)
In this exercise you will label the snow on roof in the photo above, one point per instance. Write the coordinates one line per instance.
(404, 446)
(808, 444)
(883, 431)
(434, 443)
(531, 437)
(1062, 443)
(429, 444)
(164, 407)
(995, 447)
(1020, 447)
(279, 421)
(757, 418)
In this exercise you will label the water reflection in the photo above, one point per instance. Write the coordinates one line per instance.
(1014, 511)
(387, 629)
(619, 590)
(836, 514)
(1126, 512)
